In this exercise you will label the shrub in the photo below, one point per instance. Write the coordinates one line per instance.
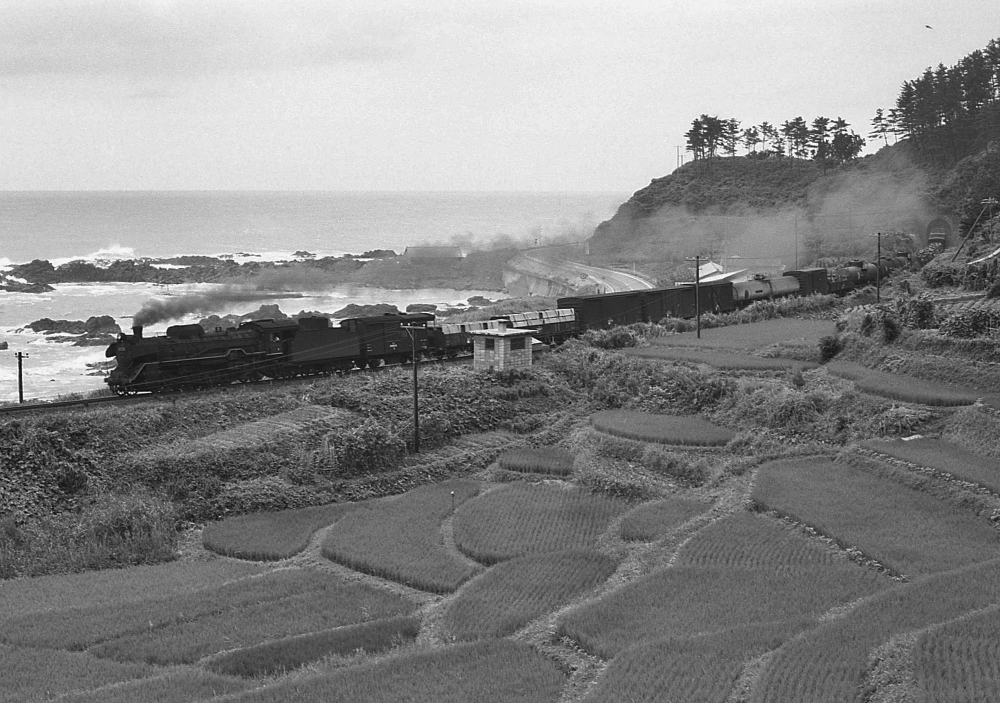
(368, 447)
(974, 322)
(614, 338)
(663, 461)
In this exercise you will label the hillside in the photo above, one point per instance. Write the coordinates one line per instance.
(789, 210)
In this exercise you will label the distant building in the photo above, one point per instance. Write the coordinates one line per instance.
(433, 253)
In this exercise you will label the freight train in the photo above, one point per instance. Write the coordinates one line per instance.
(190, 357)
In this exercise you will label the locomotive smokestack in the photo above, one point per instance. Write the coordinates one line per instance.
(137, 331)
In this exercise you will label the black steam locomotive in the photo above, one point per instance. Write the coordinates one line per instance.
(189, 357)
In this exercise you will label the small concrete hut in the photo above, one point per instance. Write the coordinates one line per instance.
(501, 349)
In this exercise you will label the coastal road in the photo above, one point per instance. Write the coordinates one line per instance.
(606, 280)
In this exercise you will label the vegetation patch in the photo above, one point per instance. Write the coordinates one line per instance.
(29, 674)
(513, 593)
(721, 360)
(22, 597)
(958, 662)
(945, 457)
(286, 654)
(664, 429)
(905, 388)
(748, 541)
(400, 539)
(905, 530)
(183, 628)
(686, 600)
(494, 670)
(654, 520)
(177, 686)
(520, 519)
(271, 536)
(538, 460)
(754, 336)
(699, 668)
(830, 663)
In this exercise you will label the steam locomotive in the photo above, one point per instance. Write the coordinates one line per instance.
(189, 357)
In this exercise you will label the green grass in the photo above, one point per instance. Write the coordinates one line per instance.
(699, 668)
(960, 661)
(753, 336)
(945, 457)
(663, 429)
(688, 600)
(654, 520)
(28, 674)
(511, 594)
(908, 531)
(271, 536)
(538, 460)
(829, 663)
(400, 539)
(281, 656)
(494, 670)
(183, 628)
(21, 597)
(746, 540)
(721, 360)
(520, 519)
(904, 388)
(179, 686)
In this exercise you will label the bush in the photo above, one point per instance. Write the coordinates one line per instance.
(368, 447)
(614, 338)
(829, 347)
(974, 322)
(663, 461)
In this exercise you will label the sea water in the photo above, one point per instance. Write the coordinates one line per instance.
(101, 226)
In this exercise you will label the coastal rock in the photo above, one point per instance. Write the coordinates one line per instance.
(17, 287)
(421, 307)
(264, 312)
(3, 345)
(101, 326)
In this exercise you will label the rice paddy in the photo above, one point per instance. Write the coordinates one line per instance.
(538, 460)
(655, 519)
(513, 593)
(904, 388)
(721, 360)
(520, 519)
(907, 531)
(400, 539)
(662, 429)
(945, 457)
(754, 336)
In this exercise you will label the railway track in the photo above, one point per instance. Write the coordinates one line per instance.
(145, 397)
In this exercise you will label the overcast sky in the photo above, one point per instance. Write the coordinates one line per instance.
(433, 94)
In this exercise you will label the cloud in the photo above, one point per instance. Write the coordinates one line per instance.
(102, 37)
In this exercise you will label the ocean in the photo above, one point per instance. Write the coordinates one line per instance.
(102, 226)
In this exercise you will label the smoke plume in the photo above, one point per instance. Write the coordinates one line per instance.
(155, 310)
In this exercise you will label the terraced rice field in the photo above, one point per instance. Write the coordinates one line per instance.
(655, 519)
(538, 460)
(721, 360)
(754, 336)
(829, 663)
(904, 388)
(908, 531)
(520, 519)
(697, 668)
(960, 661)
(182, 629)
(513, 593)
(400, 539)
(663, 429)
(945, 457)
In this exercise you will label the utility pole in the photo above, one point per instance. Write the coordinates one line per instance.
(697, 292)
(20, 380)
(878, 269)
(412, 331)
(990, 202)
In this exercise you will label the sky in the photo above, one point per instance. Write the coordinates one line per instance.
(432, 95)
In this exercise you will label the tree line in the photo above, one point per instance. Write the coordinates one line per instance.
(947, 113)
(825, 140)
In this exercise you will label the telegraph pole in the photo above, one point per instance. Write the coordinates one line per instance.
(20, 380)
(697, 292)
(412, 331)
